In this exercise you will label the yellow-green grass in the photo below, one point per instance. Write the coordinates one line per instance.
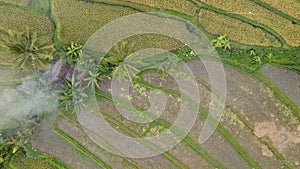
(183, 6)
(235, 29)
(19, 161)
(124, 3)
(253, 11)
(153, 41)
(78, 20)
(17, 2)
(290, 7)
(14, 18)
(6, 59)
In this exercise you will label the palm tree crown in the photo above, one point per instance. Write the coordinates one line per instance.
(31, 51)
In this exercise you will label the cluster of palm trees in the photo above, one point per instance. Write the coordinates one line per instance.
(32, 53)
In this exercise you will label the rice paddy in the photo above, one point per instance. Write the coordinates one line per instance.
(235, 29)
(290, 7)
(251, 10)
(69, 19)
(17, 2)
(260, 124)
(17, 19)
(185, 7)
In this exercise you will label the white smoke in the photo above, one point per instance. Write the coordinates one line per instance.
(35, 96)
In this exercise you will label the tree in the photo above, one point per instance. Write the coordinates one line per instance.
(31, 51)
(125, 65)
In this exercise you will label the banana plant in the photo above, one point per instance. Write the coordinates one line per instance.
(255, 59)
(72, 53)
(221, 42)
(32, 53)
(72, 95)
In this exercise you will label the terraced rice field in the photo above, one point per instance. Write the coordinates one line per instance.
(17, 2)
(253, 11)
(185, 7)
(93, 16)
(17, 19)
(259, 127)
(235, 29)
(290, 7)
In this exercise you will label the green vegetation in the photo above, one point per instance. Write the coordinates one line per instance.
(252, 33)
(221, 42)
(21, 161)
(71, 95)
(71, 53)
(125, 65)
(10, 143)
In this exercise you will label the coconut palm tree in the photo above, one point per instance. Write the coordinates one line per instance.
(93, 80)
(30, 50)
(125, 66)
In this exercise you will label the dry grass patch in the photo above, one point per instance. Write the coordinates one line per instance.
(185, 7)
(17, 19)
(236, 30)
(289, 31)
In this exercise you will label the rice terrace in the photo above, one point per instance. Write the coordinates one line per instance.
(150, 84)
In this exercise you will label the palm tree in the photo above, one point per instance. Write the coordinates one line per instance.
(31, 51)
(93, 80)
(125, 66)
